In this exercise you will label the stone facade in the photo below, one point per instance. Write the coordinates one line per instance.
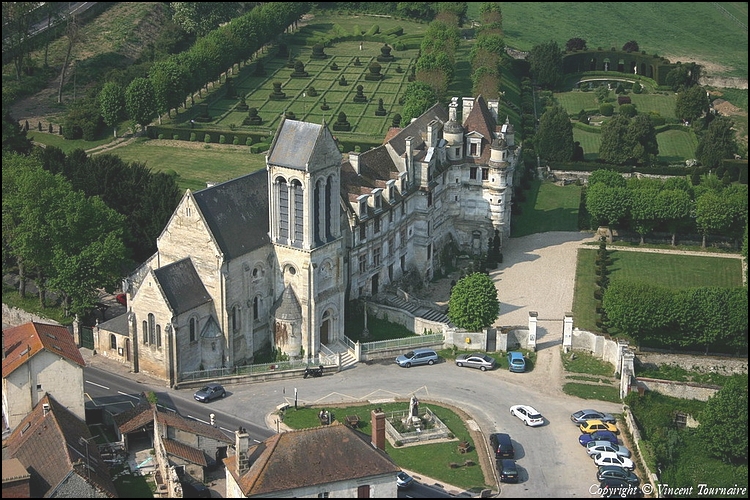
(268, 260)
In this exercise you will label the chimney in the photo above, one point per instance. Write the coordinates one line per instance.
(409, 160)
(354, 160)
(377, 417)
(242, 444)
(431, 135)
(468, 103)
(45, 408)
(453, 109)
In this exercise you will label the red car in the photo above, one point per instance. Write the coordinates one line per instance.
(122, 299)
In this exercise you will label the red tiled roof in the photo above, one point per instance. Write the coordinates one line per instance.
(48, 443)
(309, 457)
(24, 341)
(185, 452)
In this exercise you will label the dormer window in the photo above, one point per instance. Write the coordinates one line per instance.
(474, 146)
(377, 199)
(391, 191)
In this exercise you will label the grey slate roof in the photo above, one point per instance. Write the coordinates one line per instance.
(236, 211)
(287, 307)
(299, 144)
(182, 286)
(417, 128)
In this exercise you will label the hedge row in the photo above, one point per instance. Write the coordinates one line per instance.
(181, 134)
(580, 166)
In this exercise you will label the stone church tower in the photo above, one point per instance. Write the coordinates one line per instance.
(304, 165)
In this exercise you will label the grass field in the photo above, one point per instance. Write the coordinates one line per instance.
(547, 207)
(590, 143)
(669, 270)
(676, 145)
(675, 30)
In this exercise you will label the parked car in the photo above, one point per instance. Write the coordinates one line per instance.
(209, 393)
(594, 447)
(527, 414)
(501, 444)
(616, 472)
(590, 426)
(585, 439)
(479, 360)
(516, 362)
(417, 357)
(404, 480)
(610, 458)
(581, 416)
(508, 471)
(195, 490)
(617, 488)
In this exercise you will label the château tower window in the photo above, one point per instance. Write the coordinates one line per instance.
(362, 263)
(485, 174)
(376, 256)
(473, 173)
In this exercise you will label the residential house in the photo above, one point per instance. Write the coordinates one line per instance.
(40, 359)
(59, 454)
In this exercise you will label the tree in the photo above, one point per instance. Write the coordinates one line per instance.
(718, 430)
(615, 147)
(199, 18)
(712, 214)
(717, 143)
(575, 44)
(418, 98)
(673, 208)
(18, 18)
(692, 103)
(473, 304)
(606, 205)
(641, 135)
(638, 309)
(546, 64)
(491, 17)
(112, 104)
(14, 136)
(631, 46)
(601, 93)
(72, 37)
(607, 177)
(140, 101)
(170, 85)
(554, 139)
(643, 211)
(683, 76)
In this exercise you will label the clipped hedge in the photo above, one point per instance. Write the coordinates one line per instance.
(178, 134)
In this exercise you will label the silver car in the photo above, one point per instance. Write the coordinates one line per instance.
(581, 416)
(594, 447)
(417, 357)
(476, 360)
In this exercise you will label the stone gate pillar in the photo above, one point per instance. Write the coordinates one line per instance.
(568, 332)
(532, 330)
(628, 372)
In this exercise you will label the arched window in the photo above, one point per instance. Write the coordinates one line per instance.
(283, 209)
(144, 332)
(151, 329)
(112, 341)
(193, 328)
(256, 308)
(158, 335)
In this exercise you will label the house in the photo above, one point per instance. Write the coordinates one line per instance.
(182, 447)
(40, 359)
(59, 454)
(328, 461)
(269, 259)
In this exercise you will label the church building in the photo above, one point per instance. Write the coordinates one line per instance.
(269, 259)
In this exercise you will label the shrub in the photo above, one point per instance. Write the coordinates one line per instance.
(236, 140)
(161, 136)
(637, 88)
(628, 110)
(207, 138)
(249, 141)
(193, 138)
(606, 109)
(222, 139)
(176, 137)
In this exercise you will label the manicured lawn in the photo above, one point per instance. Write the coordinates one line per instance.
(547, 207)
(590, 142)
(194, 163)
(669, 270)
(429, 459)
(676, 145)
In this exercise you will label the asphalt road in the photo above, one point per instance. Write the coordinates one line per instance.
(552, 463)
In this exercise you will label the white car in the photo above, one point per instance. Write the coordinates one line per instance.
(611, 458)
(594, 447)
(527, 414)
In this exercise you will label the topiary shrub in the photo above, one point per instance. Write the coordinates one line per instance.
(161, 136)
(606, 109)
(193, 137)
(176, 137)
(249, 141)
(236, 141)
(207, 138)
(222, 139)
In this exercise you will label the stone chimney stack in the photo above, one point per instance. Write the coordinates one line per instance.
(377, 417)
(354, 161)
(453, 109)
(242, 445)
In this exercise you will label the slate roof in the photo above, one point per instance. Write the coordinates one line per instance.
(376, 167)
(182, 286)
(417, 129)
(50, 448)
(185, 452)
(300, 144)
(25, 341)
(310, 457)
(118, 325)
(236, 212)
(480, 121)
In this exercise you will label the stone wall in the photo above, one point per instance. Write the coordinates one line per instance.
(682, 390)
(12, 316)
(723, 365)
(600, 346)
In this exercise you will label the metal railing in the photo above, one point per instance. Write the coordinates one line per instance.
(419, 340)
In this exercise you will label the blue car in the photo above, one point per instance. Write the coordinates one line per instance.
(598, 436)
(516, 362)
